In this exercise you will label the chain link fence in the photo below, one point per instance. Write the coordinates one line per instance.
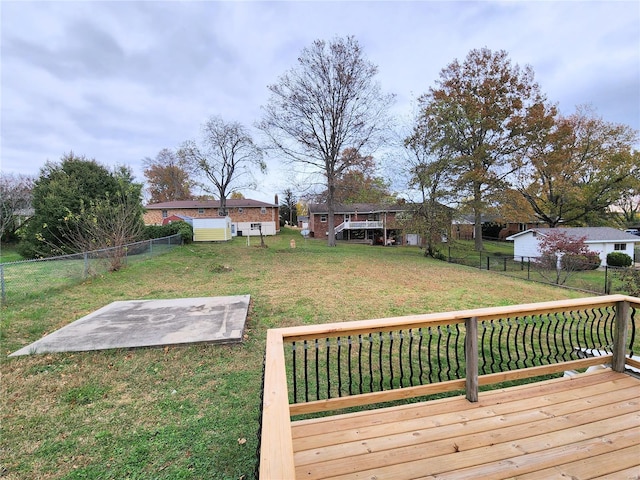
(600, 280)
(19, 280)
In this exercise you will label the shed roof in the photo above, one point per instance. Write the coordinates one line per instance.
(590, 234)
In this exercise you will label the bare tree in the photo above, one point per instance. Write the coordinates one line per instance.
(225, 156)
(15, 200)
(327, 103)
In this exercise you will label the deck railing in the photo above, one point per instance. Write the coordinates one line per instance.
(333, 366)
(359, 225)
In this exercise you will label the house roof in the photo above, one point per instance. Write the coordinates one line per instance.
(590, 234)
(357, 207)
(231, 203)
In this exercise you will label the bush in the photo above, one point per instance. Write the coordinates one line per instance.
(159, 231)
(578, 263)
(619, 259)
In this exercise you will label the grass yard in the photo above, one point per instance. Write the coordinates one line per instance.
(9, 253)
(192, 412)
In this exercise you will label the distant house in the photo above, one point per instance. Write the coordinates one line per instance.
(374, 224)
(493, 227)
(247, 216)
(603, 240)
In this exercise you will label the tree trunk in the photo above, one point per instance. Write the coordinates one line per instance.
(477, 217)
(331, 240)
(223, 205)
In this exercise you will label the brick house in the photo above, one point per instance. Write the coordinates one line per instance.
(362, 222)
(245, 214)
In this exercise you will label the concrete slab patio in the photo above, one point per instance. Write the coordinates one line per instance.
(150, 323)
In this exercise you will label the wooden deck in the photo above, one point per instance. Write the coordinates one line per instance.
(582, 427)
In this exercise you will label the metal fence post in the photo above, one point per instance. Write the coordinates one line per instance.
(606, 275)
(86, 266)
(528, 268)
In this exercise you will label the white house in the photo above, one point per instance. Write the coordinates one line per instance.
(603, 240)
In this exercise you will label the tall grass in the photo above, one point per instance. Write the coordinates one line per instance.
(192, 412)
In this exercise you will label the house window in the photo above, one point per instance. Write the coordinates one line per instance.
(164, 214)
(263, 210)
(256, 226)
(240, 210)
(201, 211)
(323, 218)
(620, 246)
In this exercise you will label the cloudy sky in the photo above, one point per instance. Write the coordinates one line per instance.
(119, 81)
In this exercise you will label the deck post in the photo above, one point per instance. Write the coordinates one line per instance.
(276, 447)
(620, 335)
(471, 358)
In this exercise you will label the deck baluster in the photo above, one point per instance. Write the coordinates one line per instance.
(390, 360)
(483, 344)
(339, 369)
(380, 360)
(370, 362)
(306, 372)
(328, 345)
(420, 354)
(439, 353)
(411, 357)
(349, 365)
(632, 335)
(294, 373)
(400, 359)
(317, 369)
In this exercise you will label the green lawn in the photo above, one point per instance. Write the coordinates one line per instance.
(192, 412)
(9, 253)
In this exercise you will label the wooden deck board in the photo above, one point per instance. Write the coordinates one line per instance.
(556, 427)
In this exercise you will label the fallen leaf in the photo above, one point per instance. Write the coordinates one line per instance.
(242, 441)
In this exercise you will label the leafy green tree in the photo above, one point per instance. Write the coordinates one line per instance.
(629, 199)
(578, 168)
(433, 180)
(358, 182)
(69, 197)
(328, 102)
(168, 178)
(478, 117)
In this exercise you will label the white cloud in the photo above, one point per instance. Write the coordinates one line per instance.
(118, 81)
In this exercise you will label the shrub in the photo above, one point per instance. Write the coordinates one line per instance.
(159, 231)
(619, 259)
(578, 263)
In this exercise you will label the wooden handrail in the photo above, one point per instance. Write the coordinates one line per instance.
(309, 332)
